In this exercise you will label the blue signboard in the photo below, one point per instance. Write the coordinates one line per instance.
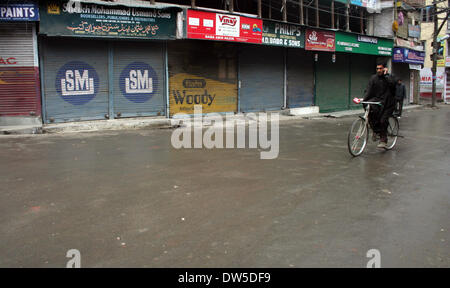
(138, 82)
(364, 3)
(405, 55)
(77, 82)
(19, 12)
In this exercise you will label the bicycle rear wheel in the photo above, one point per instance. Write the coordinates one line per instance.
(357, 137)
(392, 132)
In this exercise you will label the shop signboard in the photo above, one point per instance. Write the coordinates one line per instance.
(414, 31)
(354, 43)
(91, 20)
(362, 3)
(319, 40)
(188, 90)
(223, 27)
(405, 55)
(426, 80)
(283, 34)
(16, 11)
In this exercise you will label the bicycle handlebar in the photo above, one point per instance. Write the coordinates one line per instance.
(368, 102)
(360, 101)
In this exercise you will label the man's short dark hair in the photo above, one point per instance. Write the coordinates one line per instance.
(382, 63)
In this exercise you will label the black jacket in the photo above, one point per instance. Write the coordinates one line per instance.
(381, 89)
(400, 92)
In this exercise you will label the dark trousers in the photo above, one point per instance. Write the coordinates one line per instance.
(378, 120)
(398, 107)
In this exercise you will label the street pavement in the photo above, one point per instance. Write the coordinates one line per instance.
(129, 199)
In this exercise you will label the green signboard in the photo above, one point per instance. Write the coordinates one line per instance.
(283, 34)
(69, 18)
(361, 44)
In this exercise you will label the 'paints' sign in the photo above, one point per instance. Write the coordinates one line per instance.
(223, 27)
(19, 12)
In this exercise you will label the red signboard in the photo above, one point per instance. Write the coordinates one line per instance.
(223, 27)
(320, 40)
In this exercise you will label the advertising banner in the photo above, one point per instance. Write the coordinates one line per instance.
(405, 55)
(319, 40)
(19, 12)
(283, 34)
(188, 90)
(223, 27)
(426, 80)
(361, 44)
(91, 20)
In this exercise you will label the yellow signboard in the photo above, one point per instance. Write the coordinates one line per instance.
(187, 90)
(441, 62)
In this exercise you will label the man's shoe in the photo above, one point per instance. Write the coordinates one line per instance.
(374, 137)
(382, 145)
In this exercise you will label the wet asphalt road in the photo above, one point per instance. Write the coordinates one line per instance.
(128, 199)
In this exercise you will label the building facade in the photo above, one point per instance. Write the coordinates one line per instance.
(128, 58)
(19, 66)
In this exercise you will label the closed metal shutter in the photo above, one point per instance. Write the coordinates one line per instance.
(262, 78)
(202, 73)
(138, 79)
(75, 79)
(332, 82)
(19, 74)
(362, 67)
(300, 78)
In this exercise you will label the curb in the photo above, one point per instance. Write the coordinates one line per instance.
(158, 123)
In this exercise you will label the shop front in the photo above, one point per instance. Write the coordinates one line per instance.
(104, 62)
(212, 66)
(19, 70)
(406, 64)
(343, 73)
(297, 64)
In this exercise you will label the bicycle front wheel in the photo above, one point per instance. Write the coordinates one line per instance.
(357, 137)
(392, 132)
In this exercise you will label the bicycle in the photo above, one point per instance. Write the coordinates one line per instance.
(358, 134)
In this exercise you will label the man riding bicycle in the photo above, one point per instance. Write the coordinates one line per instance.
(381, 88)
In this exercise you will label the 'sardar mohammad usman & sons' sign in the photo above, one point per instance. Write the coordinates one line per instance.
(69, 18)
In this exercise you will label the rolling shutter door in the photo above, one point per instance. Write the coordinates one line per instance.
(262, 78)
(138, 79)
(75, 80)
(332, 90)
(300, 78)
(202, 73)
(362, 67)
(19, 76)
